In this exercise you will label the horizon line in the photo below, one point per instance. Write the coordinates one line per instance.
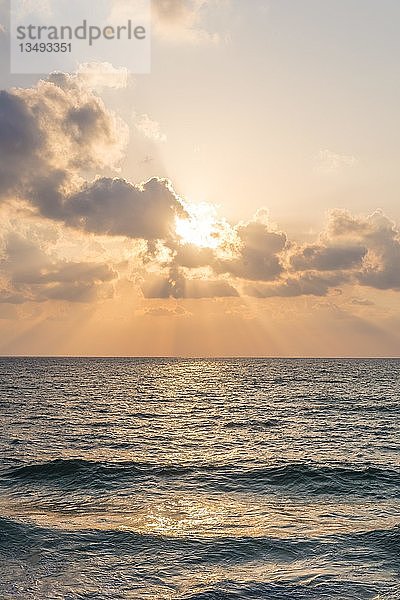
(204, 357)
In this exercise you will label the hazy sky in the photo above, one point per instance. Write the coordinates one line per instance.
(240, 199)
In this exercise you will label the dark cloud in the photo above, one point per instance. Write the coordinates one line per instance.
(328, 258)
(21, 141)
(382, 267)
(381, 237)
(59, 130)
(49, 134)
(259, 253)
(117, 207)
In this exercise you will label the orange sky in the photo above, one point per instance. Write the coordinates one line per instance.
(239, 200)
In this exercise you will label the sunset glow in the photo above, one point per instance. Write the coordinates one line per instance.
(199, 299)
(186, 212)
(200, 227)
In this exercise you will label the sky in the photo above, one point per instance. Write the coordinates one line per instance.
(241, 199)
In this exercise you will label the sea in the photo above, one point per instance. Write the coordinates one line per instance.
(199, 479)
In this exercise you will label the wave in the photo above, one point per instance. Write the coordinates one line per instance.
(18, 539)
(193, 550)
(210, 547)
(314, 479)
(386, 540)
(311, 477)
(301, 561)
(60, 469)
(307, 588)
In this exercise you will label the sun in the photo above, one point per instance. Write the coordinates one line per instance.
(200, 227)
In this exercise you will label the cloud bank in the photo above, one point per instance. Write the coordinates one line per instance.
(60, 151)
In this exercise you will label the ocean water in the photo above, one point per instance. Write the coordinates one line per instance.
(199, 479)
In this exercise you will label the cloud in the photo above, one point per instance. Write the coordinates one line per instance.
(53, 134)
(260, 261)
(363, 250)
(117, 207)
(49, 135)
(164, 311)
(331, 162)
(174, 21)
(258, 257)
(328, 258)
(177, 11)
(249, 251)
(342, 224)
(182, 21)
(31, 273)
(102, 75)
(149, 128)
(20, 143)
(381, 237)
